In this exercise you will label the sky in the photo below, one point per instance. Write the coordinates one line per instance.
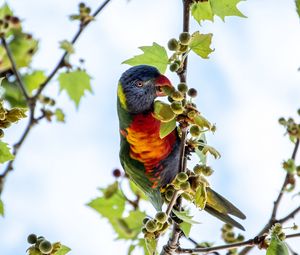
(250, 80)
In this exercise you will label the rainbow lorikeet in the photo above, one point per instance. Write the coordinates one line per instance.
(152, 162)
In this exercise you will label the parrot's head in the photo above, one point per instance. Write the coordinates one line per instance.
(139, 86)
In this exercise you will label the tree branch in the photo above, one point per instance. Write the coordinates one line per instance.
(73, 41)
(15, 70)
(251, 242)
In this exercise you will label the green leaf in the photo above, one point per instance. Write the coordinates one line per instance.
(131, 249)
(34, 80)
(186, 228)
(154, 55)
(1, 208)
(13, 95)
(202, 122)
(277, 247)
(5, 10)
(67, 46)
(202, 11)
(137, 191)
(151, 244)
(201, 196)
(223, 8)
(200, 44)
(75, 83)
(5, 154)
(111, 190)
(163, 111)
(166, 128)
(62, 250)
(183, 215)
(111, 208)
(298, 7)
(59, 114)
(34, 251)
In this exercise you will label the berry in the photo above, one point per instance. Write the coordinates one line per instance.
(144, 230)
(173, 44)
(183, 48)
(45, 246)
(1, 133)
(227, 227)
(282, 121)
(176, 107)
(198, 169)
(277, 228)
(185, 186)
(192, 92)
(15, 20)
(88, 10)
(281, 236)
(177, 96)
(207, 171)
(182, 87)
(184, 38)
(182, 177)
(151, 226)
(192, 114)
(170, 99)
(32, 238)
(82, 5)
(145, 220)
(174, 67)
(169, 194)
(240, 238)
(161, 217)
(195, 130)
(116, 173)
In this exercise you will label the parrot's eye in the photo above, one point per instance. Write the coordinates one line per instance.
(139, 83)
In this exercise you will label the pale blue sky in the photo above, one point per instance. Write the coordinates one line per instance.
(250, 80)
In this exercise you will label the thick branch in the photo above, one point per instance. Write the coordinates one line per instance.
(73, 41)
(251, 242)
(15, 70)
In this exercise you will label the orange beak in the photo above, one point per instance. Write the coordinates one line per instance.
(160, 82)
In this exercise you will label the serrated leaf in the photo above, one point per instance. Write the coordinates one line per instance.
(59, 114)
(201, 196)
(5, 154)
(75, 83)
(223, 8)
(166, 128)
(183, 215)
(34, 80)
(154, 55)
(62, 250)
(67, 46)
(277, 247)
(163, 111)
(186, 228)
(1, 208)
(298, 7)
(151, 244)
(202, 11)
(200, 44)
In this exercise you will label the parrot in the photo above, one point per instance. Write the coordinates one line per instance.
(152, 162)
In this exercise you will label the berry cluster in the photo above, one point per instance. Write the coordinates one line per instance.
(84, 15)
(181, 48)
(9, 22)
(41, 246)
(292, 128)
(7, 117)
(154, 227)
(229, 236)
(277, 230)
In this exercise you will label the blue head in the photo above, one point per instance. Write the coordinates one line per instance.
(140, 85)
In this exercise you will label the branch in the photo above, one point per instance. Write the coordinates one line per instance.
(73, 41)
(251, 242)
(272, 219)
(15, 70)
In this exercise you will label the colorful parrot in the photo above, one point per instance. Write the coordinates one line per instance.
(152, 162)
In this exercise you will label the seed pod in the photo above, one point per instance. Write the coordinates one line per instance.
(173, 44)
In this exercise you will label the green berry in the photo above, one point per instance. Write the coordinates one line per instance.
(298, 111)
(192, 114)
(185, 186)
(192, 92)
(174, 67)
(277, 228)
(45, 247)
(161, 217)
(182, 87)
(170, 99)
(1, 133)
(227, 227)
(145, 220)
(88, 10)
(240, 238)
(281, 236)
(177, 96)
(173, 44)
(282, 121)
(32, 238)
(184, 38)
(198, 169)
(144, 230)
(298, 170)
(151, 226)
(195, 130)
(207, 171)
(176, 107)
(182, 177)
(183, 48)
(169, 194)
(82, 5)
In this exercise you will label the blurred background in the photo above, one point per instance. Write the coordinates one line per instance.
(250, 80)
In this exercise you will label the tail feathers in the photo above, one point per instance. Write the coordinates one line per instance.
(222, 205)
(156, 199)
(223, 217)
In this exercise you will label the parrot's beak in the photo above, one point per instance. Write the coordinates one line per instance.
(161, 82)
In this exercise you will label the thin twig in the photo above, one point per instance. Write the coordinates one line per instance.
(272, 219)
(15, 70)
(251, 242)
(62, 59)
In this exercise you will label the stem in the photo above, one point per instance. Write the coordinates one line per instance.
(251, 242)
(62, 59)
(15, 70)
